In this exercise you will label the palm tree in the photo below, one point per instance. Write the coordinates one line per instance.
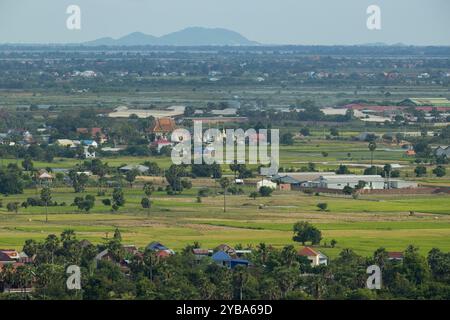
(224, 183)
(46, 197)
(372, 148)
(148, 190)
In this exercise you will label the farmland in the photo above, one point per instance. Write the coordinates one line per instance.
(363, 225)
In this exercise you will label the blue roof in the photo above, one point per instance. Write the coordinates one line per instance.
(236, 262)
(156, 246)
(87, 142)
(221, 256)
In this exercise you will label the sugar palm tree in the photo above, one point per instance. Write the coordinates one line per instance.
(224, 183)
(46, 197)
(372, 148)
(148, 190)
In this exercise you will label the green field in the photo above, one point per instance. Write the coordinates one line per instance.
(363, 225)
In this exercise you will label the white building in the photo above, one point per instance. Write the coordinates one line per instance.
(266, 183)
(316, 258)
(339, 182)
(442, 151)
(372, 182)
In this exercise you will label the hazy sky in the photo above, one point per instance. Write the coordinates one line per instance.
(266, 21)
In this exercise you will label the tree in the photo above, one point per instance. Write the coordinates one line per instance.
(322, 206)
(86, 203)
(305, 132)
(235, 168)
(146, 202)
(333, 243)
(265, 191)
(13, 207)
(117, 235)
(287, 139)
(334, 132)
(27, 164)
(224, 183)
(46, 197)
(11, 181)
(118, 199)
(131, 176)
(153, 168)
(348, 190)
(173, 177)
(420, 171)
(372, 147)
(342, 169)
(254, 195)
(79, 181)
(216, 171)
(304, 231)
(440, 171)
(415, 266)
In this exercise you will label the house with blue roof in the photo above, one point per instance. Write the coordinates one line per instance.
(224, 259)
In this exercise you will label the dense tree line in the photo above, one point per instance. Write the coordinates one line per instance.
(273, 274)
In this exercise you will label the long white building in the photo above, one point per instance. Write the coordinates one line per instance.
(372, 182)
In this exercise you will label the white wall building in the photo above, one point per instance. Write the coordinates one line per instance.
(266, 183)
(339, 182)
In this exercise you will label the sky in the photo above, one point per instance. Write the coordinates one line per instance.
(307, 22)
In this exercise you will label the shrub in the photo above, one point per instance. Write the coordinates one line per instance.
(265, 191)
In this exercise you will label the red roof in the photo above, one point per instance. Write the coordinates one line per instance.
(200, 251)
(163, 254)
(13, 254)
(163, 125)
(92, 131)
(162, 141)
(308, 252)
(395, 255)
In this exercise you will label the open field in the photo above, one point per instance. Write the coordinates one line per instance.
(363, 225)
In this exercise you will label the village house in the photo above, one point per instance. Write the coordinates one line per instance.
(224, 259)
(140, 168)
(395, 256)
(161, 250)
(266, 183)
(316, 258)
(442, 151)
(66, 143)
(161, 143)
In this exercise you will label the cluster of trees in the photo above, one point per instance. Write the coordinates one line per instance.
(273, 274)
(11, 180)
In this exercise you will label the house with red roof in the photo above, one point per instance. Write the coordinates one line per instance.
(161, 143)
(395, 256)
(316, 258)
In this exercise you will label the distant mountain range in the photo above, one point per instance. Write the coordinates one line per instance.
(195, 36)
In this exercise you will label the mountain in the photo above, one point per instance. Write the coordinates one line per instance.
(195, 36)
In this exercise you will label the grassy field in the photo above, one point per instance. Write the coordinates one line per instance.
(363, 225)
